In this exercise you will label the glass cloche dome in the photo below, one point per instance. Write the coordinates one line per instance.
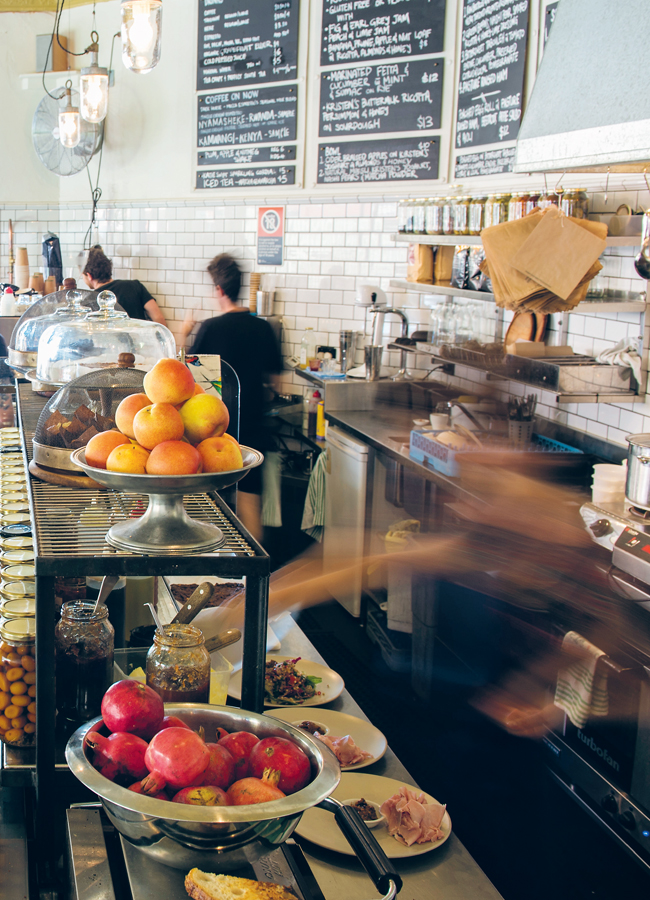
(100, 340)
(61, 306)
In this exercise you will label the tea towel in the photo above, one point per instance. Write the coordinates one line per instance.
(581, 690)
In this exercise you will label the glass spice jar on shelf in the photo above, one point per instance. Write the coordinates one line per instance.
(516, 207)
(448, 215)
(178, 665)
(18, 682)
(401, 216)
(476, 209)
(433, 216)
(84, 643)
(419, 217)
(461, 216)
(532, 202)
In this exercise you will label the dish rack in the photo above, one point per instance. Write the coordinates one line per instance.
(425, 449)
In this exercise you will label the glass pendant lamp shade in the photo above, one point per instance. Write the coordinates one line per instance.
(141, 33)
(93, 91)
(69, 123)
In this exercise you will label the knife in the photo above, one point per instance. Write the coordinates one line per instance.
(194, 605)
(223, 639)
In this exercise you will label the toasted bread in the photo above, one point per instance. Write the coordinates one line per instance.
(206, 886)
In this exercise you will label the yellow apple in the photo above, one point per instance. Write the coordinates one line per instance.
(204, 416)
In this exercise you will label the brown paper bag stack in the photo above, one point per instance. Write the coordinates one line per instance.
(544, 262)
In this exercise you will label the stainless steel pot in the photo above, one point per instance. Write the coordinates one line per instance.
(228, 837)
(637, 484)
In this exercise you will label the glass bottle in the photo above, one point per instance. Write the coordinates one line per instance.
(83, 643)
(532, 202)
(568, 203)
(433, 216)
(582, 203)
(307, 348)
(18, 682)
(448, 215)
(461, 216)
(488, 210)
(515, 207)
(476, 210)
(178, 665)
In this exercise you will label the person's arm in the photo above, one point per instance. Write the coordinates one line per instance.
(154, 312)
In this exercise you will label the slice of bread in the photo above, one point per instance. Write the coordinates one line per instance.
(206, 886)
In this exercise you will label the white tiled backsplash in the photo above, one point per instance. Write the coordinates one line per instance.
(330, 249)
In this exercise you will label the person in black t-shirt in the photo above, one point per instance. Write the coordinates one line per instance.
(132, 295)
(249, 345)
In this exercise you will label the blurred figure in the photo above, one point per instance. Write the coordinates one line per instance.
(132, 295)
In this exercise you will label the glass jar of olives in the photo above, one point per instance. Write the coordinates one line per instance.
(18, 682)
(178, 665)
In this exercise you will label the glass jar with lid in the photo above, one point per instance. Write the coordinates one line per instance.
(17, 590)
(433, 216)
(532, 202)
(476, 210)
(18, 572)
(101, 340)
(516, 207)
(24, 608)
(461, 216)
(53, 309)
(548, 198)
(84, 647)
(582, 203)
(18, 682)
(409, 214)
(500, 208)
(419, 213)
(487, 211)
(448, 215)
(178, 665)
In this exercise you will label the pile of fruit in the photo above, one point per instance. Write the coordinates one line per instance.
(161, 757)
(173, 428)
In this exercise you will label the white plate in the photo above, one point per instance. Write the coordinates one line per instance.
(330, 687)
(363, 733)
(319, 826)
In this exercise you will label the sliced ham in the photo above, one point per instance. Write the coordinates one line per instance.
(344, 748)
(411, 819)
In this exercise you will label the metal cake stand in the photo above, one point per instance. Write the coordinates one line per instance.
(165, 529)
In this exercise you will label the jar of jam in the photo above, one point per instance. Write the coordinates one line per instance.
(476, 210)
(178, 665)
(18, 682)
(83, 644)
(433, 216)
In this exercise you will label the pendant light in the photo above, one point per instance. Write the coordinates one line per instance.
(93, 86)
(69, 121)
(141, 32)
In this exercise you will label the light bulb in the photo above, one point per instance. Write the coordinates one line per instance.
(69, 128)
(93, 90)
(141, 32)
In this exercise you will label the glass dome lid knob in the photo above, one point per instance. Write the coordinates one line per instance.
(106, 301)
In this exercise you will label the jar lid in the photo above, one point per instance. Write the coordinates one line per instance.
(15, 590)
(19, 630)
(12, 506)
(22, 572)
(14, 530)
(17, 543)
(11, 557)
(15, 518)
(9, 448)
(22, 608)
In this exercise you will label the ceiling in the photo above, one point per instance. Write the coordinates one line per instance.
(40, 5)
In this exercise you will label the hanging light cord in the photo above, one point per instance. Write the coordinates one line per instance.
(55, 34)
(96, 191)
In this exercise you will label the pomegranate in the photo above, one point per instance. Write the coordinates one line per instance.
(126, 751)
(206, 795)
(131, 706)
(109, 770)
(255, 790)
(138, 789)
(239, 744)
(221, 768)
(176, 758)
(172, 722)
(221, 733)
(283, 756)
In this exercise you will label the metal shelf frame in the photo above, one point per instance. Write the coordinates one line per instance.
(66, 547)
(474, 240)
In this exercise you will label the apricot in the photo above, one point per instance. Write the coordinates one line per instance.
(125, 412)
(5, 700)
(170, 381)
(21, 700)
(28, 663)
(4, 723)
(18, 687)
(15, 674)
(13, 735)
(100, 447)
(20, 722)
(30, 728)
(12, 711)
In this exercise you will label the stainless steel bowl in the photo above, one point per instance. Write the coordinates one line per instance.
(225, 837)
(165, 528)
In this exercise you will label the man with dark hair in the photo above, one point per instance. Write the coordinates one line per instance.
(249, 345)
(132, 295)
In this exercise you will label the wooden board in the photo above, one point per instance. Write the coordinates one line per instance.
(65, 479)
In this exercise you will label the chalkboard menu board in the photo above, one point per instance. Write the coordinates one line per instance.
(250, 116)
(358, 30)
(247, 42)
(241, 155)
(549, 18)
(396, 159)
(256, 176)
(493, 61)
(486, 162)
(380, 98)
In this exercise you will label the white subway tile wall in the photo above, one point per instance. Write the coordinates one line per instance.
(331, 248)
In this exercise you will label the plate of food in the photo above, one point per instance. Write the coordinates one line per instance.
(292, 681)
(366, 743)
(401, 836)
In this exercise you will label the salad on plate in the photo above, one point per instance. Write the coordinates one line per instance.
(284, 684)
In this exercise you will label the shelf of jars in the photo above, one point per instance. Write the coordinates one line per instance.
(584, 309)
(463, 357)
(474, 240)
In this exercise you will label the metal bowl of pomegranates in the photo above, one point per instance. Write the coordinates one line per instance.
(225, 837)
